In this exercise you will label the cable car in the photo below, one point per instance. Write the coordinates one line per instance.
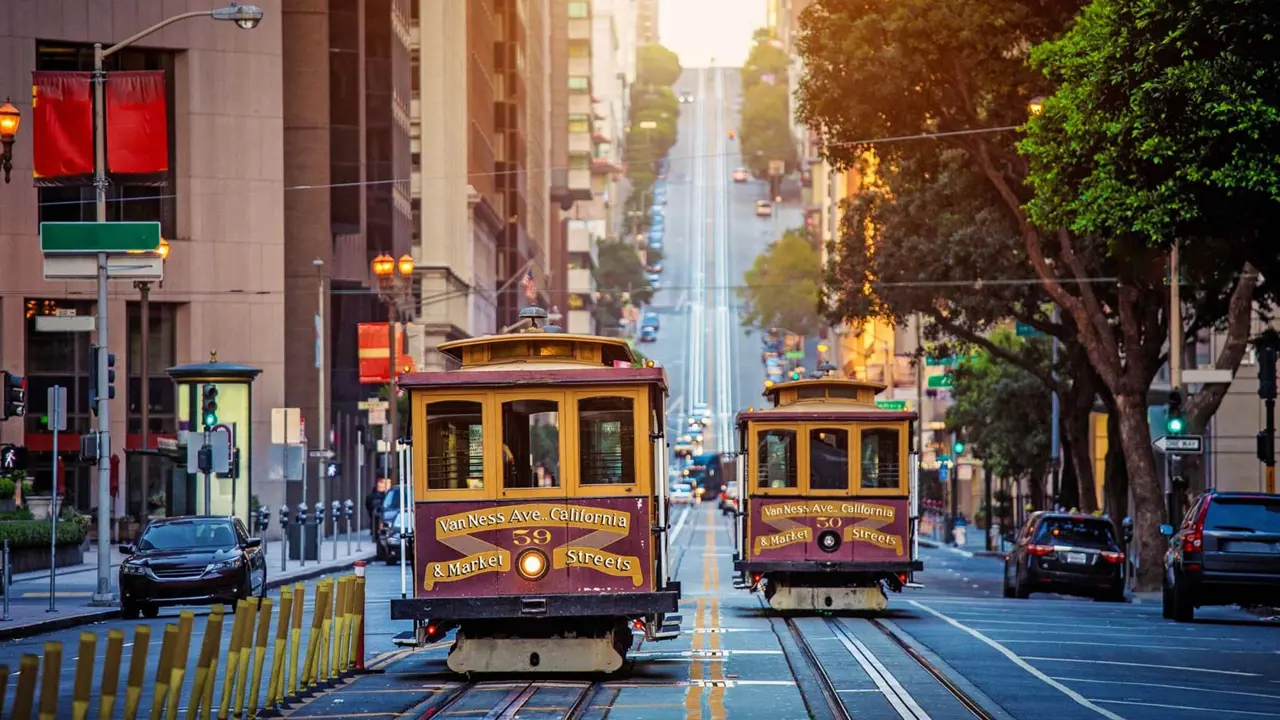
(539, 471)
(830, 498)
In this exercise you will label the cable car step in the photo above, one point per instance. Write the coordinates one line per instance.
(405, 639)
(914, 585)
(741, 584)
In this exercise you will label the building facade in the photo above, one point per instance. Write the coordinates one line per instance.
(221, 205)
(646, 22)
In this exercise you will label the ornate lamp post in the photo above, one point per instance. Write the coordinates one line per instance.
(10, 119)
(395, 280)
(144, 370)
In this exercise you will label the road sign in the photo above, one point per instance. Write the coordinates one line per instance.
(942, 381)
(321, 454)
(794, 355)
(777, 167)
(1180, 444)
(56, 401)
(891, 404)
(1207, 375)
(81, 238)
(65, 323)
(286, 426)
(373, 404)
(1022, 329)
(67, 266)
(378, 417)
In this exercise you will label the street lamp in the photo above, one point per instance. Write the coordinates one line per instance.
(395, 278)
(247, 17)
(10, 119)
(144, 369)
(1036, 105)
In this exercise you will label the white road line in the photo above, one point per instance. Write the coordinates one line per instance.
(1128, 646)
(1171, 687)
(1016, 660)
(675, 531)
(1235, 673)
(1188, 708)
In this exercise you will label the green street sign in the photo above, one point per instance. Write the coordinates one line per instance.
(942, 381)
(1022, 329)
(794, 355)
(895, 405)
(87, 238)
(932, 361)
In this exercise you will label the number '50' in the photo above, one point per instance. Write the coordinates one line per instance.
(541, 536)
(828, 522)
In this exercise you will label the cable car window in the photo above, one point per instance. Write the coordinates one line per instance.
(455, 445)
(777, 459)
(606, 441)
(880, 467)
(828, 459)
(531, 444)
(811, 393)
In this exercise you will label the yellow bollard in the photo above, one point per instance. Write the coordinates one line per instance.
(212, 629)
(50, 681)
(347, 624)
(331, 663)
(293, 673)
(205, 701)
(306, 677)
(358, 633)
(276, 680)
(137, 670)
(344, 619)
(4, 685)
(233, 659)
(259, 654)
(28, 669)
(110, 675)
(161, 693)
(321, 674)
(82, 690)
(178, 668)
(246, 651)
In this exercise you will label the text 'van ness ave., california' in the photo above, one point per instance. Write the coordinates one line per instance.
(828, 509)
(532, 515)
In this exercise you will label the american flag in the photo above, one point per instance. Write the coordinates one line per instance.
(530, 286)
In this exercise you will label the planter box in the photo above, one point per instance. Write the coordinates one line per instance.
(33, 559)
(40, 506)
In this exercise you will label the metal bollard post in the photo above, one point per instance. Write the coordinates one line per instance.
(344, 624)
(137, 670)
(82, 688)
(50, 678)
(24, 699)
(205, 701)
(259, 654)
(233, 659)
(360, 615)
(53, 540)
(321, 673)
(178, 668)
(246, 652)
(110, 675)
(7, 579)
(295, 642)
(161, 692)
(339, 627)
(275, 694)
(212, 629)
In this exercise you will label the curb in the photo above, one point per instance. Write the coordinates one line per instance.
(39, 627)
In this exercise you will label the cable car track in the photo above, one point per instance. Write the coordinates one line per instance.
(508, 699)
(890, 687)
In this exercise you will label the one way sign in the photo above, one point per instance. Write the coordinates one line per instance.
(1180, 444)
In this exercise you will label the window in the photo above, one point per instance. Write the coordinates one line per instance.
(531, 444)
(125, 203)
(455, 445)
(579, 9)
(880, 469)
(579, 123)
(828, 459)
(579, 82)
(606, 441)
(776, 459)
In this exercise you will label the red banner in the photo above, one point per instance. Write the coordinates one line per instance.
(375, 351)
(62, 141)
(137, 124)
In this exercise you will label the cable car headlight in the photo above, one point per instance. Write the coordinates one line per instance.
(829, 541)
(532, 564)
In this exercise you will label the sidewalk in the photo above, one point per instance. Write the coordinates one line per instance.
(975, 544)
(75, 586)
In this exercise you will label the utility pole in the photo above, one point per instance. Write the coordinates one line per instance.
(1268, 345)
(992, 538)
(320, 396)
(103, 595)
(1055, 448)
(1174, 461)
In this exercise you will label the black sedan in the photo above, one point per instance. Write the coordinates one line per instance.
(191, 561)
(1066, 553)
(389, 538)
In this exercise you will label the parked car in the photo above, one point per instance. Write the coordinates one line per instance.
(764, 208)
(1066, 553)
(389, 538)
(650, 319)
(686, 97)
(654, 279)
(740, 175)
(190, 561)
(729, 498)
(682, 494)
(648, 334)
(1226, 551)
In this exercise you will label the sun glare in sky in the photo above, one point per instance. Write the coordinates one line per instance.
(706, 32)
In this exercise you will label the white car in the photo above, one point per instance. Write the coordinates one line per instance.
(685, 97)
(681, 494)
(700, 410)
(740, 175)
(764, 208)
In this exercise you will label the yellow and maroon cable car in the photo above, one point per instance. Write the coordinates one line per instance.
(539, 476)
(830, 498)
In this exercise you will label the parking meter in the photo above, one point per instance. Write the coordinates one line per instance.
(302, 514)
(348, 510)
(335, 511)
(1126, 530)
(284, 516)
(264, 518)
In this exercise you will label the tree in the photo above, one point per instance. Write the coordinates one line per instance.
(782, 288)
(620, 277)
(999, 410)
(765, 58)
(656, 65)
(958, 70)
(766, 128)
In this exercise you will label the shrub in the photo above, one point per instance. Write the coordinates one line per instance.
(16, 514)
(7, 488)
(35, 533)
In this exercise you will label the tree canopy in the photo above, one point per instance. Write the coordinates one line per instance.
(782, 287)
(765, 134)
(656, 65)
(765, 58)
(620, 277)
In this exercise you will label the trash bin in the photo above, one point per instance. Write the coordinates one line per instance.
(961, 530)
(310, 541)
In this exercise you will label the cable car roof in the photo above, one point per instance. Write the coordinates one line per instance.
(816, 398)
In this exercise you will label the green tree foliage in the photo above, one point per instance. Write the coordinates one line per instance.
(1000, 410)
(918, 66)
(620, 278)
(766, 109)
(765, 58)
(656, 65)
(782, 288)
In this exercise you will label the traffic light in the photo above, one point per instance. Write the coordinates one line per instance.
(795, 374)
(958, 447)
(1173, 423)
(209, 405)
(13, 393)
(94, 391)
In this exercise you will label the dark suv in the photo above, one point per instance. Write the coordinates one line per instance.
(191, 561)
(1226, 552)
(1066, 553)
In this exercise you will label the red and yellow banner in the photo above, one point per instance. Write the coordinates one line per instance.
(375, 350)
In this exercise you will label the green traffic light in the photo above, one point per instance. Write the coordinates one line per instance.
(959, 448)
(210, 420)
(1174, 425)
